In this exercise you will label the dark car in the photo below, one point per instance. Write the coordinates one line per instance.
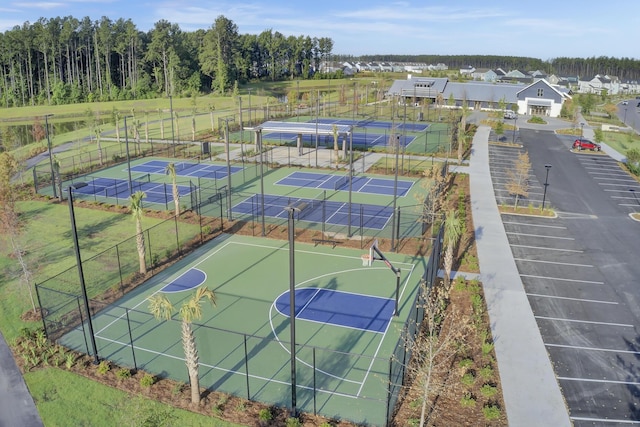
(585, 144)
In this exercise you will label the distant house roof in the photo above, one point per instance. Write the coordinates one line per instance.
(480, 91)
(421, 86)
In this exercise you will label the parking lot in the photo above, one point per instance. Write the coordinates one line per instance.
(580, 272)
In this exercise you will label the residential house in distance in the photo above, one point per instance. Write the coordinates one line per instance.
(599, 84)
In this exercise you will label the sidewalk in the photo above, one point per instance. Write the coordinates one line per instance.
(16, 404)
(531, 392)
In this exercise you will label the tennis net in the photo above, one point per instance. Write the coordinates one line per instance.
(365, 122)
(340, 182)
(187, 164)
(116, 189)
(312, 205)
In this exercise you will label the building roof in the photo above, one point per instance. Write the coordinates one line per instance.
(481, 91)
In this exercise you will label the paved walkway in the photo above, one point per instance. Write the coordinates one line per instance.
(16, 404)
(531, 392)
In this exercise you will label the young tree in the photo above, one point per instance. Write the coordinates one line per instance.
(10, 220)
(518, 177)
(453, 229)
(171, 171)
(137, 212)
(191, 310)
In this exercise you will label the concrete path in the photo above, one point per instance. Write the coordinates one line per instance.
(531, 392)
(16, 404)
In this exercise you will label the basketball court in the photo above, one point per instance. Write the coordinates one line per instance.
(345, 307)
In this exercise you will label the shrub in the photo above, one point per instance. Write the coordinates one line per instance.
(467, 401)
(468, 379)
(177, 388)
(465, 363)
(488, 390)
(103, 367)
(69, 360)
(491, 412)
(293, 422)
(265, 415)
(486, 372)
(207, 229)
(487, 348)
(123, 374)
(147, 380)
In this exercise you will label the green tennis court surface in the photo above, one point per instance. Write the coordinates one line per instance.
(345, 328)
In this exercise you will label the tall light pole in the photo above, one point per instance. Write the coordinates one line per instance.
(250, 89)
(83, 287)
(173, 135)
(53, 174)
(291, 210)
(226, 149)
(546, 184)
(581, 130)
(126, 139)
(515, 127)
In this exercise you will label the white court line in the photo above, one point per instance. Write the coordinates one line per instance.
(573, 299)
(532, 276)
(547, 249)
(590, 322)
(534, 225)
(553, 262)
(217, 368)
(539, 235)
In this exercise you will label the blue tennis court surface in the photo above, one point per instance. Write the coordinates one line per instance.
(360, 184)
(191, 278)
(365, 140)
(329, 212)
(349, 310)
(409, 127)
(201, 170)
(119, 188)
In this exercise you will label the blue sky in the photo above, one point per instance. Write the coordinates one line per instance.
(543, 29)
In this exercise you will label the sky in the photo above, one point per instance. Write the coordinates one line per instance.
(541, 29)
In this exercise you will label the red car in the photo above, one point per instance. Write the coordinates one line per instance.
(585, 144)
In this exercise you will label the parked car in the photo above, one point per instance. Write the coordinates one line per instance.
(624, 102)
(585, 144)
(509, 114)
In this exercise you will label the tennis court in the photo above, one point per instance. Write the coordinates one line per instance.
(400, 126)
(189, 169)
(319, 211)
(362, 140)
(359, 184)
(120, 189)
(346, 331)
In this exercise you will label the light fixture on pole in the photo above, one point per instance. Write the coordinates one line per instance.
(546, 184)
(291, 211)
(83, 287)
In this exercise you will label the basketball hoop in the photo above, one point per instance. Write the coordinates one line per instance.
(366, 260)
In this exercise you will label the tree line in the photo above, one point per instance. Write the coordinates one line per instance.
(627, 69)
(68, 60)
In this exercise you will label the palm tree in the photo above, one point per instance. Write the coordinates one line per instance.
(137, 212)
(191, 310)
(171, 171)
(452, 234)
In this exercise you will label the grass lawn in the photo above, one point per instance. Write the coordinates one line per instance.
(621, 142)
(67, 399)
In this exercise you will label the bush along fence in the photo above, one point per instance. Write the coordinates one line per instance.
(64, 315)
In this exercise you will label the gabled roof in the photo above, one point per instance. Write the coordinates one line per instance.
(542, 81)
(481, 91)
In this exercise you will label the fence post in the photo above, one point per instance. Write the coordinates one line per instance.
(246, 366)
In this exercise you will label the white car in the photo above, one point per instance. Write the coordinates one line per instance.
(509, 114)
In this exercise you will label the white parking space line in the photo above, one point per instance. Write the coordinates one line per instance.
(539, 235)
(589, 380)
(624, 175)
(590, 322)
(553, 262)
(503, 190)
(619, 191)
(561, 279)
(573, 299)
(548, 249)
(579, 347)
(614, 184)
(615, 179)
(535, 225)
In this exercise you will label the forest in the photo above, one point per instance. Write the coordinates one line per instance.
(67, 60)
